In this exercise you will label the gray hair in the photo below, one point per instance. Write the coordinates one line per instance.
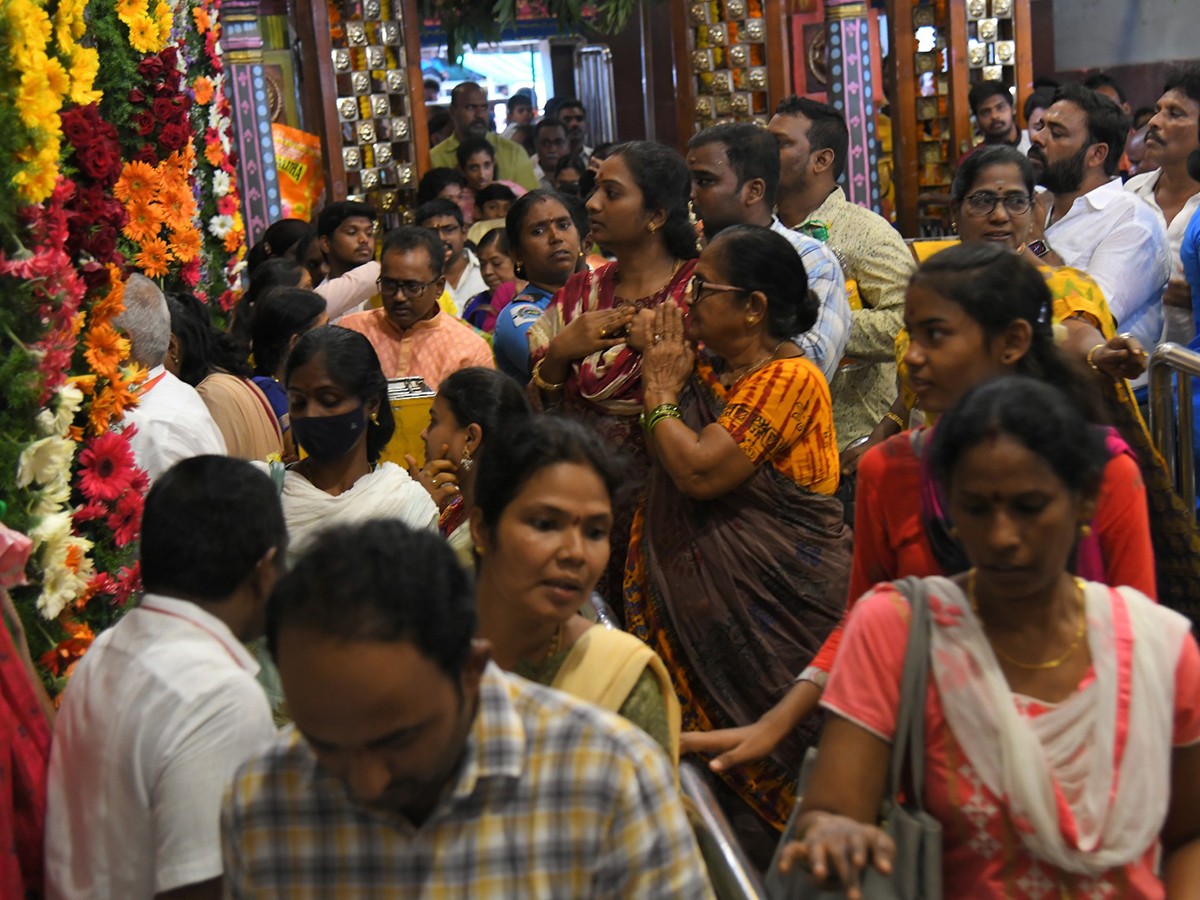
(146, 321)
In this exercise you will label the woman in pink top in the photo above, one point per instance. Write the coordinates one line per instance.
(1062, 716)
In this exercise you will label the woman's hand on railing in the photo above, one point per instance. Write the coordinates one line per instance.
(1121, 356)
(837, 850)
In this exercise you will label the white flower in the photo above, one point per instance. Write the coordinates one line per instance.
(52, 498)
(219, 226)
(52, 529)
(62, 583)
(221, 182)
(45, 461)
(56, 423)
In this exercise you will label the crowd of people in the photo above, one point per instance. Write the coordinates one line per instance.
(694, 417)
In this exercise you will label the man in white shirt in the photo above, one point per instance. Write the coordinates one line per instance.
(464, 278)
(1088, 220)
(574, 118)
(164, 706)
(1171, 136)
(172, 421)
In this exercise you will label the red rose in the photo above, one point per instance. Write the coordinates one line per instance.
(146, 154)
(151, 68)
(174, 136)
(100, 162)
(164, 110)
(172, 80)
(144, 123)
(77, 130)
(169, 57)
(137, 96)
(102, 244)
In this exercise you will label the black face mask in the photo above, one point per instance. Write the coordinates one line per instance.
(327, 438)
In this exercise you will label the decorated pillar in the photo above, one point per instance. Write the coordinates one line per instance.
(848, 42)
(247, 89)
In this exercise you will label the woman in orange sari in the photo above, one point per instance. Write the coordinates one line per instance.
(739, 558)
(587, 361)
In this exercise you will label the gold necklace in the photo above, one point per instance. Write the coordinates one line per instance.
(557, 645)
(1033, 667)
(734, 377)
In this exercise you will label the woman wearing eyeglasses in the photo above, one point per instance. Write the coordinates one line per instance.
(739, 558)
(410, 332)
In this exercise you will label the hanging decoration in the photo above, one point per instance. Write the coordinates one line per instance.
(104, 171)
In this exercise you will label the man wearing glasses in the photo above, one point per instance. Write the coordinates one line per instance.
(469, 110)
(410, 333)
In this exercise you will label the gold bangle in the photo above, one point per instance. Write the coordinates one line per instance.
(1091, 357)
(541, 383)
(894, 418)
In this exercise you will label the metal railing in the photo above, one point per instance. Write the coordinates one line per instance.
(1171, 420)
(732, 874)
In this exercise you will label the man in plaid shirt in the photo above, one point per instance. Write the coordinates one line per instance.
(417, 768)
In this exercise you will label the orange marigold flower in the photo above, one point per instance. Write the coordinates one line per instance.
(105, 349)
(178, 208)
(145, 220)
(233, 240)
(113, 303)
(85, 383)
(155, 258)
(213, 153)
(203, 23)
(104, 409)
(138, 180)
(203, 85)
(185, 244)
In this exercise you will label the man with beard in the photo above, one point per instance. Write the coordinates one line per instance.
(410, 332)
(735, 179)
(417, 768)
(992, 105)
(1087, 220)
(469, 111)
(1171, 136)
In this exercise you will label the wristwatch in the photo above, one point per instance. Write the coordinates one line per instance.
(1038, 248)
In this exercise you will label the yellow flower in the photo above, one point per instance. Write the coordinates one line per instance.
(129, 10)
(85, 64)
(57, 77)
(144, 35)
(162, 12)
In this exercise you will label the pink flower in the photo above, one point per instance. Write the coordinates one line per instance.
(126, 520)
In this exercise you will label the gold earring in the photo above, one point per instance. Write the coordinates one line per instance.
(651, 227)
(953, 531)
(375, 417)
(466, 462)
(479, 550)
(1085, 530)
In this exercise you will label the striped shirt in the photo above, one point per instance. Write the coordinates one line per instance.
(554, 798)
(824, 343)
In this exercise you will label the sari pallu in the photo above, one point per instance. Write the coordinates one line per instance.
(736, 594)
(604, 391)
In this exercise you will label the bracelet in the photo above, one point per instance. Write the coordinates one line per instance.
(540, 382)
(891, 416)
(660, 412)
(1091, 357)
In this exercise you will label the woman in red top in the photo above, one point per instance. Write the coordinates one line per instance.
(974, 312)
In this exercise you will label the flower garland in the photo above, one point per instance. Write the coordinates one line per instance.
(216, 168)
(106, 179)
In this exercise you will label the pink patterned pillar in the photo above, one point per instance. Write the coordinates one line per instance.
(848, 49)
(258, 180)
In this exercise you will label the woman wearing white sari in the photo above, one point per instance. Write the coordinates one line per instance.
(341, 418)
(1062, 717)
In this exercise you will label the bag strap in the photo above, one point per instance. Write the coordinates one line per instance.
(909, 742)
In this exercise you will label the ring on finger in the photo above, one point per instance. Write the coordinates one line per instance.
(658, 338)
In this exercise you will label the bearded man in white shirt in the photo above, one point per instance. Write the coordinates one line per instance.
(1087, 220)
(171, 419)
(164, 706)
